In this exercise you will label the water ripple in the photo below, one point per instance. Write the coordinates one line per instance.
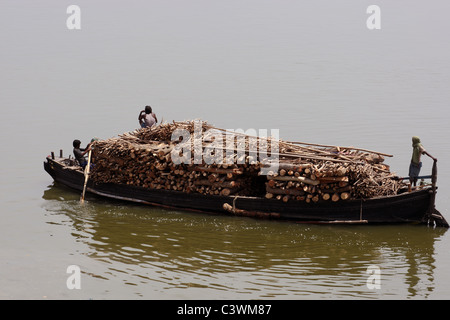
(171, 251)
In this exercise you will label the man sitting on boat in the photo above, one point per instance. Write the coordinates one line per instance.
(416, 164)
(147, 118)
(79, 153)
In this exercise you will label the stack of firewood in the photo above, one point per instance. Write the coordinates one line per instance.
(328, 181)
(306, 172)
(143, 158)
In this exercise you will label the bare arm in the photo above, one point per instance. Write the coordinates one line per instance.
(88, 148)
(141, 115)
(425, 152)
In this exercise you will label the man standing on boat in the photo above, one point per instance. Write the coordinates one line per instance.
(416, 164)
(147, 118)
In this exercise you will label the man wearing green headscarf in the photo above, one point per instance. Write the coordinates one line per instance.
(416, 164)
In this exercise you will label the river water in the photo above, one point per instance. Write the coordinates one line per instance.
(311, 69)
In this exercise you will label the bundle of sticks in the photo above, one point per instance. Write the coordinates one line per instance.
(304, 172)
(330, 181)
(144, 158)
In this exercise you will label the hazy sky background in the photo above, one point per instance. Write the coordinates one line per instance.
(236, 63)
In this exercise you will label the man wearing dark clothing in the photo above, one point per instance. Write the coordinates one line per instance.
(80, 152)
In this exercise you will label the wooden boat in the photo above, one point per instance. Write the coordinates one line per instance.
(417, 206)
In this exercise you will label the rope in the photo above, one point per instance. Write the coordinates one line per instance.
(360, 211)
(234, 203)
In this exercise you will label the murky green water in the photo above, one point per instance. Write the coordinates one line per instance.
(170, 254)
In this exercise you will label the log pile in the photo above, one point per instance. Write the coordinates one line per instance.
(143, 158)
(328, 181)
(306, 172)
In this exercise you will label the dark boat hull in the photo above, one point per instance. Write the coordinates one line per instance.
(412, 207)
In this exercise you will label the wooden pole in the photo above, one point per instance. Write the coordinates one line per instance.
(433, 187)
(293, 178)
(307, 144)
(86, 176)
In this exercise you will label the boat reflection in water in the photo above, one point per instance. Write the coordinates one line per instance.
(173, 255)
